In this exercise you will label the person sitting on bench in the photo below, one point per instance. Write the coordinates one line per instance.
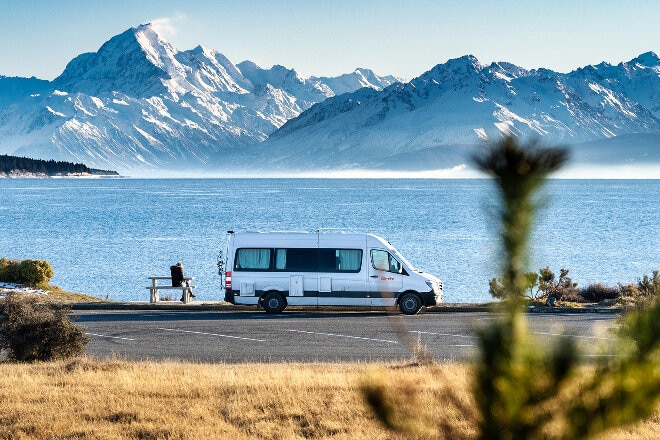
(178, 280)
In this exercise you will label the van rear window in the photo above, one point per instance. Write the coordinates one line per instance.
(252, 259)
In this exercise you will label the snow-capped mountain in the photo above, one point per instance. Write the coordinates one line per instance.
(139, 103)
(436, 119)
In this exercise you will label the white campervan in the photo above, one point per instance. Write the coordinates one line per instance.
(276, 269)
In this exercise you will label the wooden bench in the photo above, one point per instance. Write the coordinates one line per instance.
(186, 291)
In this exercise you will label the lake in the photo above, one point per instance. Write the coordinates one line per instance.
(104, 237)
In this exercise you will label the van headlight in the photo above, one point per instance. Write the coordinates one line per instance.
(430, 284)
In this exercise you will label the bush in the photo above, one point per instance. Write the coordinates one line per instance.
(37, 331)
(497, 290)
(542, 285)
(650, 286)
(598, 292)
(35, 272)
(8, 270)
(30, 272)
(562, 289)
(641, 294)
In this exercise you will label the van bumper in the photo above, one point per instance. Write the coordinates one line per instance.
(431, 298)
(229, 296)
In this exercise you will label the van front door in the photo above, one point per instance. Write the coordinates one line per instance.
(385, 277)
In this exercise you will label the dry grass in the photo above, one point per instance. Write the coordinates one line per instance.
(57, 295)
(147, 400)
(86, 399)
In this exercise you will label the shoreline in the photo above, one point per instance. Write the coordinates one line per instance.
(13, 175)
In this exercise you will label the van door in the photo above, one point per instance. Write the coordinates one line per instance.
(385, 277)
(341, 278)
(299, 265)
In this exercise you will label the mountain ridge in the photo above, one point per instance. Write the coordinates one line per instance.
(140, 104)
(457, 105)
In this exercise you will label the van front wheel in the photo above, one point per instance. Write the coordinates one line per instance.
(410, 304)
(273, 303)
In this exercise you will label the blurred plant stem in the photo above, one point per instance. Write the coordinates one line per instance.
(523, 389)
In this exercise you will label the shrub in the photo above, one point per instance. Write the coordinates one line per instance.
(640, 295)
(30, 272)
(35, 272)
(497, 290)
(8, 270)
(562, 289)
(38, 331)
(650, 286)
(598, 292)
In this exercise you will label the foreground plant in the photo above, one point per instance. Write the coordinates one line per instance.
(523, 390)
(33, 330)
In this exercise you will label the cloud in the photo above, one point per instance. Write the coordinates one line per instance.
(167, 26)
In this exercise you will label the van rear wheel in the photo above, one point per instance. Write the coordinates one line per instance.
(410, 304)
(273, 303)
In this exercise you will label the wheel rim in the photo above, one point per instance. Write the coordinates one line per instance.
(273, 303)
(410, 304)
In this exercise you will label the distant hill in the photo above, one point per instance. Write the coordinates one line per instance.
(13, 166)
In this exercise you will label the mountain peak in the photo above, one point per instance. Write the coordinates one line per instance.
(158, 51)
(647, 59)
(133, 59)
(463, 67)
(143, 27)
(468, 60)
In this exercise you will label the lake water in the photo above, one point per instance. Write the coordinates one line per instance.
(104, 237)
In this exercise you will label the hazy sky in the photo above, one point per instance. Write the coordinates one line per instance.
(326, 38)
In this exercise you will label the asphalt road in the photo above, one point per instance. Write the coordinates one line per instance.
(233, 337)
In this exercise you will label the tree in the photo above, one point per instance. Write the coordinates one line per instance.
(523, 390)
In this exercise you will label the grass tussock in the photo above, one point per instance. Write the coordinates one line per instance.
(87, 399)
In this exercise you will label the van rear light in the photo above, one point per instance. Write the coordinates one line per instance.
(228, 281)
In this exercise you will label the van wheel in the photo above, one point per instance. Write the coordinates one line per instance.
(273, 303)
(410, 304)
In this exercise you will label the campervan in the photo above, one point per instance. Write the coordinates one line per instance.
(276, 269)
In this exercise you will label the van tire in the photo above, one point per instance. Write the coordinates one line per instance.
(273, 302)
(410, 303)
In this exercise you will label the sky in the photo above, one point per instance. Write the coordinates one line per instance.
(331, 37)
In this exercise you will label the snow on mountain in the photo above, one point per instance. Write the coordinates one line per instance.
(437, 118)
(138, 104)
(358, 79)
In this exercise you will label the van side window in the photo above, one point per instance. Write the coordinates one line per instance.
(280, 259)
(296, 260)
(340, 260)
(252, 259)
(382, 260)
